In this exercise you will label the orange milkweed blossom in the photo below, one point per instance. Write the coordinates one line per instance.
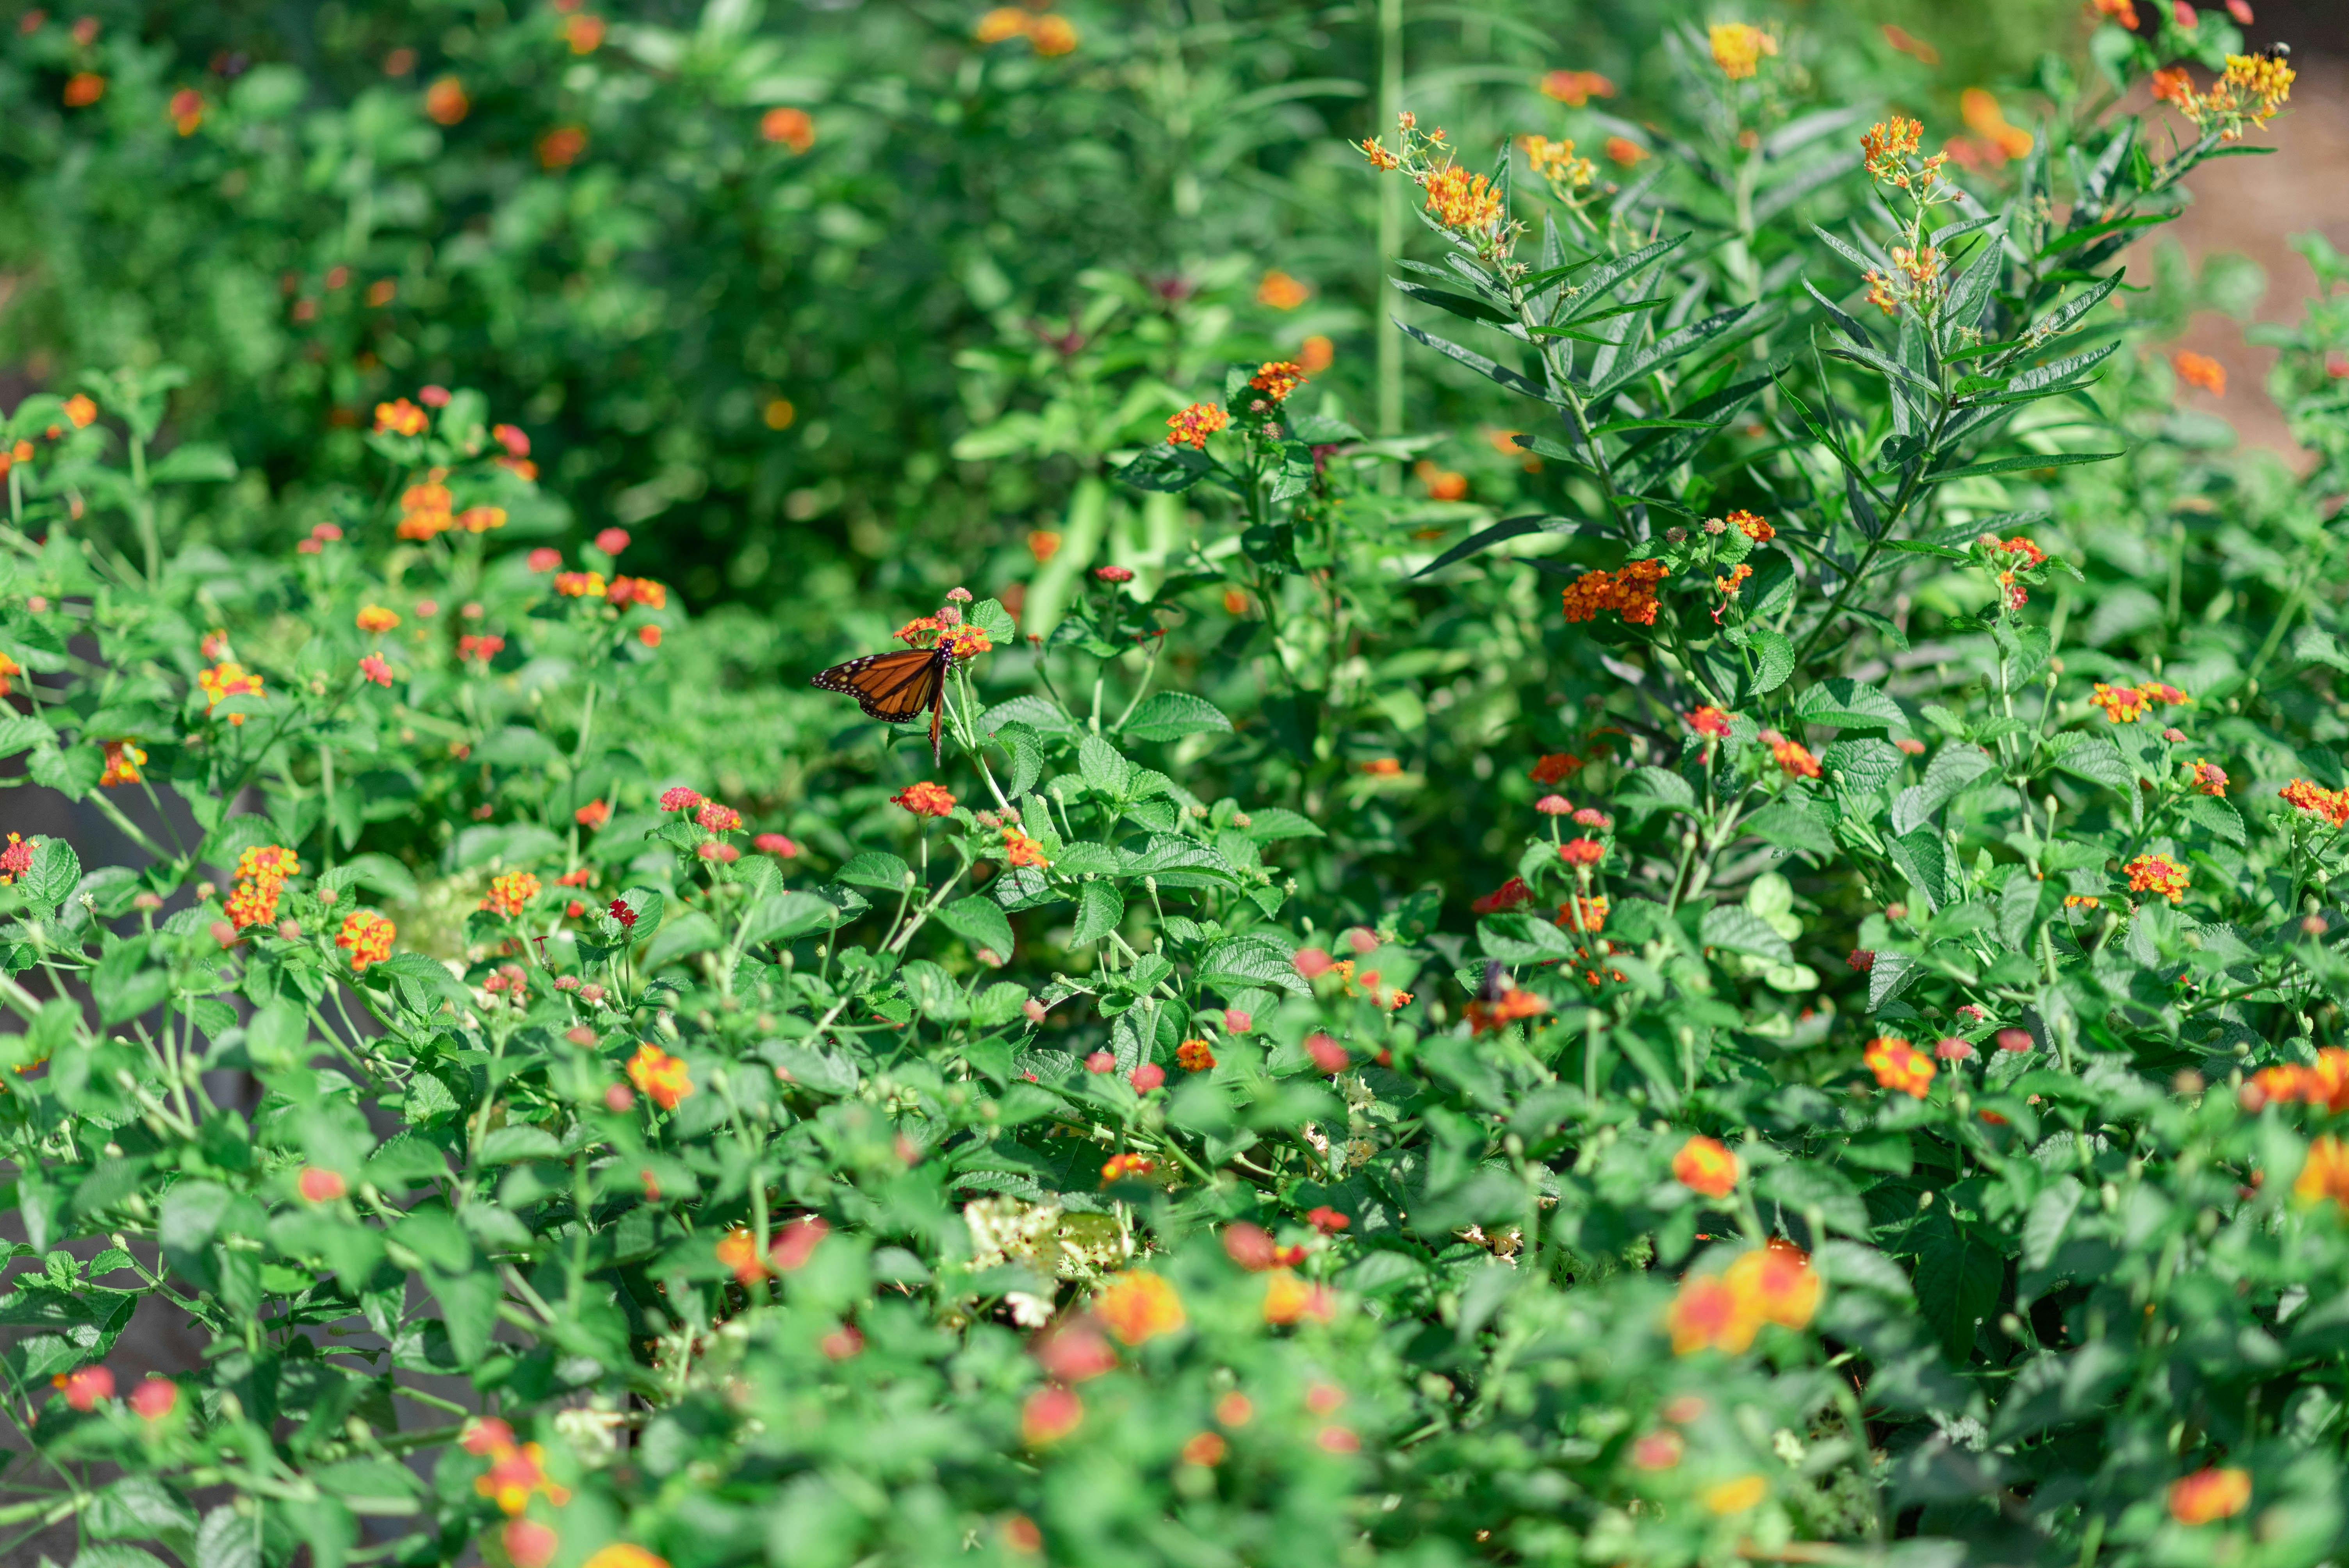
(1280, 291)
(2158, 874)
(657, 1073)
(124, 760)
(1705, 1165)
(511, 892)
(1738, 48)
(1138, 1306)
(1576, 89)
(366, 938)
(2200, 370)
(794, 128)
(2210, 1494)
(1462, 201)
(1900, 1065)
(1193, 425)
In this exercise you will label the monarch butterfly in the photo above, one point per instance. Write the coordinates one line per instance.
(894, 688)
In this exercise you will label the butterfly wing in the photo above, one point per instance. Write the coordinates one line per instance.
(895, 687)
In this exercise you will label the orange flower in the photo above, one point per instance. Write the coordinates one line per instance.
(1624, 150)
(1118, 1167)
(1735, 1495)
(1710, 721)
(1900, 1065)
(1777, 1283)
(320, 1185)
(509, 892)
(1317, 354)
(123, 761)
(515, 1474)
(657, 1073)
(81, 410)
(2158, 874)
(1630, 593)
(1705, 1165)
(1556, 766)
(1462, 201)
(84, 88)
(400, 418)
(2326, 1083)
(1193, 425)
(366, 938)
(925, 800)
(1051, 35)
(794, 128)
(1756, 529)
(1281, 292)
(738, 1252)
(1510, 894)
(2124, 12)
(2207, 778)
(623, 1554)
(1576, 89)
(1205, 1448)
(1194, 1055)
(1288, 1299)
(584, 33)
(2200, 370)
(1793, 758)
(2325, 1172)
(1738, 48)
(1138, 1306)
(1483, 1018)
(376, 618)
(1020, 850)
(445, 102)
(481, 519)
(2333, 805)
(561, 147)
(1277, 379)
(2122, 705)
(580, 584)
(2210, 1494)
(1001, 25)
(1708, 1314)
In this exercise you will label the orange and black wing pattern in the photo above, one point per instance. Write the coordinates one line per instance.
(895, 687)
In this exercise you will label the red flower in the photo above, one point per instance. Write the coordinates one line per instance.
(716, 818)
(796, 1243)
(320, 1185)
(85, 1387)
(925, 800)
(1582, 851)
(623, 914)
(1310, 962)
(1556, 766)
(2014, 1039)
(1101, 1062)
(1508, 895)
(1049, 1415)
(774, 844)
(1146, 1077)
(1861, 959)
(1328, 1054)
(612, 540)
(1074, 1351)
(680, 798)
(541, 559)
(1327, 1220)
(1114, 574)
(154, 1398)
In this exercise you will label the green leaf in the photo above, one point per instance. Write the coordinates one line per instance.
(1167, 469)
(1242, 963)
(690, 933)
(1849, 705)
(505, 1145)
(193, 462)
(2098, 760)
(1478, 363)
(1100, 910)
(788, 916)
(1506, 528)
(1738, 929)
(1958, 1279)
(20, 730)
(2216, 817)
(989, 617)
(1104, 768)
(981, 921)
(1774, 654)
(875, 869)
(1170, 714)
(1665, 351)
(2017, 465)
(55, 871)
(1522, 939)
(1649, 789)
(1270, 822)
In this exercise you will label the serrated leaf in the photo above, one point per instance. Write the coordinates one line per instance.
(981, 921)
(1171, 714)
(1522, 939)
(876, 868)
(1849, 705)
(1738, 929)
(1100, 910)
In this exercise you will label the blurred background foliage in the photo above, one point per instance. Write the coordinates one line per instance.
(753, 276)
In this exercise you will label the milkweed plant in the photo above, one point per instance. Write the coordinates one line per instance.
(1877, 1106)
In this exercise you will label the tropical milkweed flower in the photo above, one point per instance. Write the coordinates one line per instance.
(1556, 162)
(1138, 1306)
(1738, 48)
(1705, 1165)
(2210, 1494)
(1624, 150)
(124, 760)
(1900, 1065)
(1193, 425)
(1462, 201)
(657, 1073)
(2200, 370)
(925, 800)
(366, 938)
(1280, 291)
(511, 892)
(1576, 89)
(2158, 874)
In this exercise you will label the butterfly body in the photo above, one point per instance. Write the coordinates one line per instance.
(897, 686)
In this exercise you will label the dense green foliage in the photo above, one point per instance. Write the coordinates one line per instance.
(1816, 1048)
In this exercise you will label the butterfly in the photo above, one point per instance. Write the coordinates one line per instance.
(895, 687)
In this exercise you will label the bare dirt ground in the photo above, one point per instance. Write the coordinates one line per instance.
(2254, 206)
